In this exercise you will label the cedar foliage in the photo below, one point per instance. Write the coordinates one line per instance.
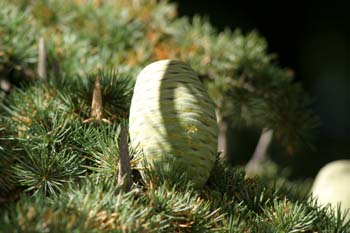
(58, 168)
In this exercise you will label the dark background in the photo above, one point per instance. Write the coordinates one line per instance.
(313, 40)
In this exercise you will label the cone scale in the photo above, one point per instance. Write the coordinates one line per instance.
(172, 120)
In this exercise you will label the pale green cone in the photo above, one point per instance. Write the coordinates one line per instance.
(332, 185)
(172, 120)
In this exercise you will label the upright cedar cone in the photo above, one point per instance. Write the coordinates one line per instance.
(172, 121)
(332, 185)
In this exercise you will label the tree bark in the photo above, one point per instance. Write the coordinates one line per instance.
(260, 150)
(96, 105)
(42, 59)
(222, 140)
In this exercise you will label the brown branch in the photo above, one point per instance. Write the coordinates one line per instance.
(260, 150)
(222, 140)
(42, 59)
(96, 106)
(124, 175)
